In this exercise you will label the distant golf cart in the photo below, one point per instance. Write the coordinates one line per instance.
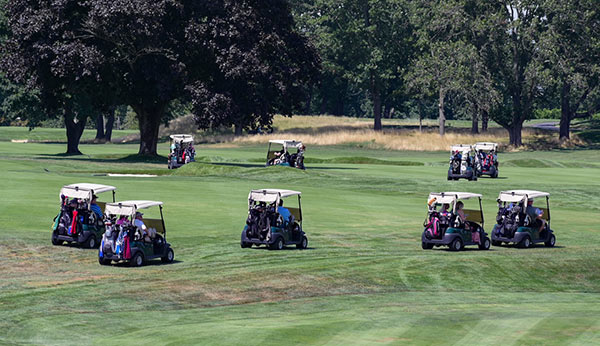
(513, 225)
(182, 151)
(76, 222)
(487, 159)
(279, 153)
(122, 240)
(265, 225)
(445, 227)
(462, 163)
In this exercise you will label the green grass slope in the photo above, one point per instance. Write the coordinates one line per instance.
(363, 280)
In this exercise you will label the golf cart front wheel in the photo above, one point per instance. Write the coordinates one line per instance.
(168, 257)
(525, 243)
(91, 242)
(137, 260)
(245, 245)
(485, 244)
(496, 242)
(103, 261)
(426, 246)
(303, 244)
(551, 242)
(277, 245)
(55, 240)
(457, 244)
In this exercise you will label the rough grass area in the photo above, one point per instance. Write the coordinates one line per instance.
(363, 280)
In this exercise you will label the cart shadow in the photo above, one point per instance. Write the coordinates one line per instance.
(285, 248)
(154, 262)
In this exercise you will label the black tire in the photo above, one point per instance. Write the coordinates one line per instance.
(457, 244)
(551, 241)
(137, 260)
(496, 243)
(303, 244)
(169, 257)
(485, 244)
(91, 242)
(245, 245)
(426, 246)
(103, 261)
(449, 177)
(277, 244)
(525, 243)
(55, 240)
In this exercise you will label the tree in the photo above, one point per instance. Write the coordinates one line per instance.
(572, 49)
(147, 54)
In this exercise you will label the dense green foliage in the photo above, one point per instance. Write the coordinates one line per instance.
(364, 280)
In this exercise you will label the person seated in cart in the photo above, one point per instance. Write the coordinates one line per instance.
(535, 215)
(96, 208)
(284, 213)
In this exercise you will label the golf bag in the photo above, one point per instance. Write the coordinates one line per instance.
(455, 163)
(436, 225)
(508, 220)
(259, 222)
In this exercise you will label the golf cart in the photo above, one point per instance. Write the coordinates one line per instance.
(265, 224)
(487, 159)
(445, 227)
(76, 222)
(462, 163)
(182, 151)
(513, 225)
(123, 241)
(282, 156)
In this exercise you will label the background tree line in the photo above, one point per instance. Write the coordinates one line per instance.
(237, 63)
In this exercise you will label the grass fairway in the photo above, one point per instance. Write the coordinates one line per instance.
(363, 280)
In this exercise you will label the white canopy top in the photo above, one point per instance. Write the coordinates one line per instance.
(463, 148)
(128, 207)
(286, 142)
(184, 138)
(520, 195)
(451, 197)
(271, 195)
(486, 146)
(84, 190)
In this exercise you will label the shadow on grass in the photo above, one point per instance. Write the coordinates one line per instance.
(285, 248)
(134, 158)
(152, 262)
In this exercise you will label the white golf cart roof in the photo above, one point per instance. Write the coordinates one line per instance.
(184, 138)
(84, 190)
(451, 197)
(287, 143)
(520, 195)
(486, 146)
(463, 148)
(271, 195)
(128, 207)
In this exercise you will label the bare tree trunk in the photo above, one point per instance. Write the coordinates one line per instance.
(238, 129)
(475, 124)
(149, 122)
(99, 127)
(74, 132)
(110, 120)
(514, 134)
(485, 116)
(565, 112)
(377, 110)
(442, 116)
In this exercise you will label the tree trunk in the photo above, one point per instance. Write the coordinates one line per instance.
(514, 134)
(387, 112)
(110, 120)
(149, 121)
(565, 112)
(377, 110)
(485, 116)
(442, 116)
(74, 132)
(100, 127)
(475, 124)
(237, 130)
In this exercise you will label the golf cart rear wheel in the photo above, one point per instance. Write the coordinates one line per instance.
(485, 244)
(245, 245)
(55, 240)
(426, 246)
(303, 244)
(168, 258)
(103, 261)
(551, 242)
(91, 242)
(496, 243)
(457, 244)
(277, 245)
(137, 260)
(525, 243)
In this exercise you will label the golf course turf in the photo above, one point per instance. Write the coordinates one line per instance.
(363, 280)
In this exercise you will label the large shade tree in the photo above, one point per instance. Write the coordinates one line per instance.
(147, 54)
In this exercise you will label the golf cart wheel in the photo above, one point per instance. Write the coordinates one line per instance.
(303, 244)
(496, 243)
(103, 261)
(169, 257)
(485, 245)
(525, 243)
(550, 242)
(277, 245)
(55, 240)
(426, 246)
(245, 245)
(457, 244)
(137, 260)
(449, 177)
(91, 242)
